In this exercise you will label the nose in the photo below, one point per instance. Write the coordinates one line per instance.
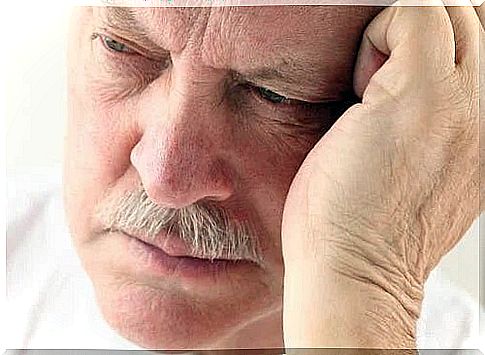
(180, 156)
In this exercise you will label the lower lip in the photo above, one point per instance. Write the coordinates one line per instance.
(156, 262)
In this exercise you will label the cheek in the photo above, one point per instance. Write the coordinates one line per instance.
(99, 140)
(278, 144)
(271, 154)
(99, 135)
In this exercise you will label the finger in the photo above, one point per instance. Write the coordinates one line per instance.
(425, 28)
(369, 61)
(466, 28)
(411, 36)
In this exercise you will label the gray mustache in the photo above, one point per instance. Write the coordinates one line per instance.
(205, 227)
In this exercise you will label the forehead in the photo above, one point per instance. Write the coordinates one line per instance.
(298, 35)
(318, 41)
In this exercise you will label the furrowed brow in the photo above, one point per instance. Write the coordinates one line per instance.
(123, 22)
(120, 18)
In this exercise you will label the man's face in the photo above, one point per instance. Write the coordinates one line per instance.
(186, 127)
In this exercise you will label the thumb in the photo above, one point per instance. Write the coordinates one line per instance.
(369, 61)
(398, 32)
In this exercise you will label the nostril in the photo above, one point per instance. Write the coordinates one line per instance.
(177, 171)
(165, 198)
(178, 188)
(219, 197)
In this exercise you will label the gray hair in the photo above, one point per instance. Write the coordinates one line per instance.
(204, 227)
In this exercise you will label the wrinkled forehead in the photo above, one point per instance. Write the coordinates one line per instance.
(312, 39)
(246, 25)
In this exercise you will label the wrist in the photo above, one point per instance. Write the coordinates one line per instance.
(330, 309)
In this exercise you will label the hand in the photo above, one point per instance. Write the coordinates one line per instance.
(391, 188)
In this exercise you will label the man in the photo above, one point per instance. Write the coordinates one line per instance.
(208, 147)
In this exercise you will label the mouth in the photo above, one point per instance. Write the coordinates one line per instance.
(169, 256)
(172, 245)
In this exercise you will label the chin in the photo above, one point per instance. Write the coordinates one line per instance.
(172, 319)
(160, 319)
(157, 309)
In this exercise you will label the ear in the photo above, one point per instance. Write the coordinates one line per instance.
(369, 61)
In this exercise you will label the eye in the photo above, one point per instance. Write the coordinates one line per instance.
(272, 96)
(114, 45)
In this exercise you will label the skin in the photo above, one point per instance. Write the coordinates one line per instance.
(221, 143)
(358, 224)
(377, 217)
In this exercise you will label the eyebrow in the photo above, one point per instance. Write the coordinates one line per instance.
(121, 18)
(123, 22)
(292, 76)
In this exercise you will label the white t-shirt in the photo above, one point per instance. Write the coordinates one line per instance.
(51, 302)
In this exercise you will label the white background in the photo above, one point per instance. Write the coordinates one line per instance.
(34, 43)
